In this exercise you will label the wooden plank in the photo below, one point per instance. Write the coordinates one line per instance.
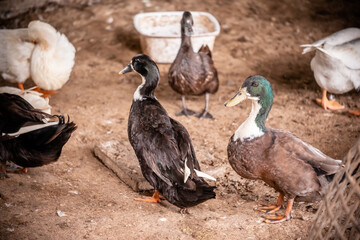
(120, 158)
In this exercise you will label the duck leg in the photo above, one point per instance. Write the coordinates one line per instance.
(328, 104)
(15, 169)
(205, 113)
(4, 169)
(355, 112)
(21, 86)
(185, 111)
(3, 174)
(278, 218)
(267, 208)
(155, 198)
(46, 93)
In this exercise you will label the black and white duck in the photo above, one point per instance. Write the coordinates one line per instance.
(297, 170)
(29, 137)
(193, 73)
(162, 144)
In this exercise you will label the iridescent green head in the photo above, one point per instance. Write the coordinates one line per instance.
(258, 89)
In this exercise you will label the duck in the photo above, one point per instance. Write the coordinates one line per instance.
(52, 59)
(193, 73)
(38, 52)
(163, 145)
(29, 137)
(15, 55)
(294, 168)
(336, 65)
(33, 97)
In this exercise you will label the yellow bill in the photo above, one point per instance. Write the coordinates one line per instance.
(238, 98)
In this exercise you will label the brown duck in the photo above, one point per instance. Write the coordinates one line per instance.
(295, 169)
(193, 73)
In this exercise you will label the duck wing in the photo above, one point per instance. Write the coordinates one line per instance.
(153, 139)
(322, 164)
(206, 50)
(185, 146)
(348, 53)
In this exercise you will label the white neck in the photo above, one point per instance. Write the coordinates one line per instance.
(137, 94)
(248, 129)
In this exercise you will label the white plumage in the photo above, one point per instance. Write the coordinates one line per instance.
(336, 64)
(53, 56)
(15, 54)
(48, 62)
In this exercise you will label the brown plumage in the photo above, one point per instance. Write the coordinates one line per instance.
(292, 167)
(193, 73)
(295, 169)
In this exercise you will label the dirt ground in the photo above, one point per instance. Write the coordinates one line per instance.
(257, 37)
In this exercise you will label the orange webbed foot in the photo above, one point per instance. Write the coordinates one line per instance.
(277, 218)
(267, 208)
(45, 93)
(155, 198)
(325, 103)
(355, 112)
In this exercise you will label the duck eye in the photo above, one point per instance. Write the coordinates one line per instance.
(254, 84)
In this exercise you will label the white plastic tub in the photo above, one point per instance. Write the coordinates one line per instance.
(160, 34)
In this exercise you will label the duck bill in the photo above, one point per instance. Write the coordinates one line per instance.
(126, 70)
(238, 98)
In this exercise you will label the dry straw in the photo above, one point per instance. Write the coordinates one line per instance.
(338, 216)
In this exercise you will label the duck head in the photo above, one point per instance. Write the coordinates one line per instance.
(149, 72)
(257, 89)
(186, 24)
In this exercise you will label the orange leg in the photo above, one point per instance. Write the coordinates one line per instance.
(355, 112)
(21, 86)
(46, 93)
(10, 169)
(328, 104)
(278, 218)
(267, 208)
(15, 169)
(155, 198)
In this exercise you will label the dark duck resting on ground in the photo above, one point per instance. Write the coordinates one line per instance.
(292, 167)
(162, 145)
(193, 73)
(29, 137)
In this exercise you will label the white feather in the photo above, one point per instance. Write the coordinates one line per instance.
(249, 129)
(204, 175)
(186, 171)
(31, 128)
(137, 94)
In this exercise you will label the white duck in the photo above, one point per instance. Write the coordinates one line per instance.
(49, 61)
(15, 53)
(336, 65)
(53, 57)
(32, 97)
